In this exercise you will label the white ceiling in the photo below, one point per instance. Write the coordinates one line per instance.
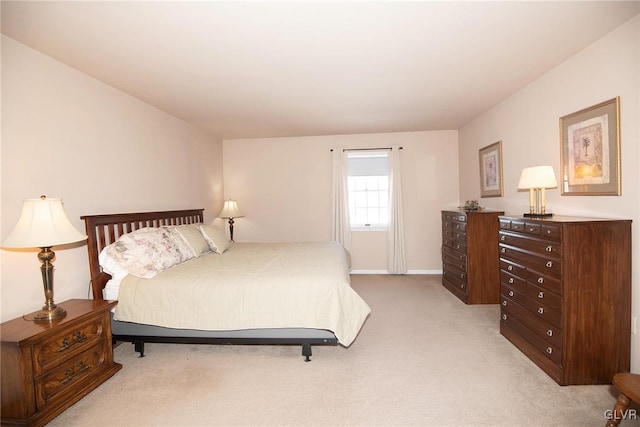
(270, 69)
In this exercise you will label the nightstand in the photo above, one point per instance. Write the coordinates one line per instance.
(48, 366)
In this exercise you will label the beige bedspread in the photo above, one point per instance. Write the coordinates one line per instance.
(251, 285)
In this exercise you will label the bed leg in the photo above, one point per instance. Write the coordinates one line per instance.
(306, 351)
(139, 347)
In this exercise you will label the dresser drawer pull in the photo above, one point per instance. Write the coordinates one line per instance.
(540, 310)
(511, 280)
(549, 248)
(503, 250)
(549, 350)
(540, 280)
(462, 286)
(549, 332)
(504, 303)
(541, 295)
(76, 338)
(504, 317)
(503, 238)
(549, 264)
(457, 246)
(510, 268)
(71, 373)
(510, 293)
(532, 229)
(462, 275)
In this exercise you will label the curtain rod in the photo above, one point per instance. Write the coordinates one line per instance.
(367, 149)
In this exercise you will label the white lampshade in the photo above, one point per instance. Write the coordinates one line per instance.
(42, 224)
(231, 210)
(537, 177)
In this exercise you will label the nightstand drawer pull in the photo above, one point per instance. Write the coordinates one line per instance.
(540, 310)
(71, 373)
(76, 338)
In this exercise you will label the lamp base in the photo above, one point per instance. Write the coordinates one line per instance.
(538, 215)
(47, 314)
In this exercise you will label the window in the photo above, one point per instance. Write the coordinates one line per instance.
(368, 186)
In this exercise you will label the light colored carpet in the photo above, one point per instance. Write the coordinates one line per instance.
(423, 358)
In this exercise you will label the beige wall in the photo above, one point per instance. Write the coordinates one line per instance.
(528, 125)
(67, 135)
(283, 186)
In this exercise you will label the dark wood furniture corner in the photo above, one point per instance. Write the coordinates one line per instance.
(48, 366)
(629, 387)
(470, 267)
(566, 295)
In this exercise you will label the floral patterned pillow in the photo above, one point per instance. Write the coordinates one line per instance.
(149, 251)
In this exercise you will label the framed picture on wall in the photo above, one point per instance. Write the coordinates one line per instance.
(590, 151)
(491, 170)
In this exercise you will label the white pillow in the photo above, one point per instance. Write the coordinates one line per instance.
(215, 237)
(194, 238)
(149, 251)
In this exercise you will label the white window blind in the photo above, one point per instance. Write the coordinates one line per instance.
(368, 187)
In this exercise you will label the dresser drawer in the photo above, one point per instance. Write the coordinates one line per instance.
(66, 342)
(71, 374)
(451, 272)
(509, 294)
(545, 312)
(542, 247)
(455, 280)
(545, 331)
(548, 265)
(514, 282)
(545, 281)
(549, 350)
(512, 267)
(458, 262)
(543, 296)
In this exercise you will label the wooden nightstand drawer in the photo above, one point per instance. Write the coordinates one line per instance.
(71, 374)
(69, 341)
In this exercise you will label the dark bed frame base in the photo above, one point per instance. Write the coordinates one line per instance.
(103, 230)
(138, 342)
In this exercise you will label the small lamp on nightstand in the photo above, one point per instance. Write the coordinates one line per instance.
(231, 210)
(44, 224)
(536, 179)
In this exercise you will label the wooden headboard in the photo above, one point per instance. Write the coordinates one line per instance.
(103, 230)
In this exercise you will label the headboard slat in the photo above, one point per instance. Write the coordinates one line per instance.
(102, 230)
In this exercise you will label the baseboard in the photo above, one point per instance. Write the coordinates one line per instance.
(386, 272)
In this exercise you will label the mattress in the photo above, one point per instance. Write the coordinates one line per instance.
(251, 286)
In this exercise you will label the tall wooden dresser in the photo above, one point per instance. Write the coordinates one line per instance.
(566, 295)
(470, 267)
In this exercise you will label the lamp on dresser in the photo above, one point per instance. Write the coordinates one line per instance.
(44, 224)
(537, 179)
(230, 210)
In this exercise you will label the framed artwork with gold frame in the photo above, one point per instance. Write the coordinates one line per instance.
(490, 158)
(590, 151)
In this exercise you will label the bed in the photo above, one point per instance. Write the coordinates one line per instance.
(246, 293)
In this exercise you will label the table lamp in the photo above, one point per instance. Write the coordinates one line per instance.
(536, 179)
(231, 210)
(44, 224)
